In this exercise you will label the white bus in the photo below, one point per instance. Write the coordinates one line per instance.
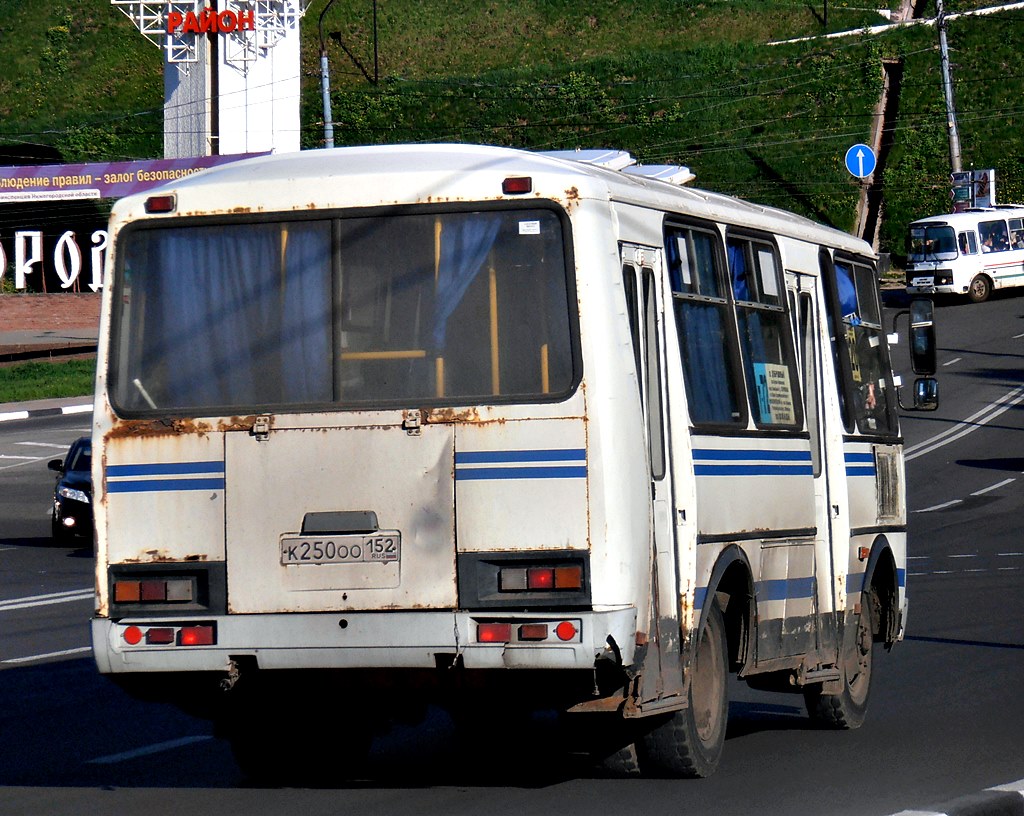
(382, 427)
(967, 253)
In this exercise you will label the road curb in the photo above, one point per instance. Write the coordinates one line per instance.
(1003, 800)
(32, 413)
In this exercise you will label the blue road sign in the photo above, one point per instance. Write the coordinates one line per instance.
(860, 161)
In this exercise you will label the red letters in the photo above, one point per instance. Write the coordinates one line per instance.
(210, 20)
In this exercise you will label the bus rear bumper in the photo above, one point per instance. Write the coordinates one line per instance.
(364, 640)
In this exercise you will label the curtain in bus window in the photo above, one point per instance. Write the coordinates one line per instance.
(223, 314)
(465, 243)
(305, 289)
(703, 329)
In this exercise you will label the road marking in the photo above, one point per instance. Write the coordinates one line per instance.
(951, 362)
(157, 748)
(46, 600)
(966, 555)
(966, 426)
(28, 458)
(939, 506)
(33, 658)
(43, 445)
(1011, 555)
(994, 487)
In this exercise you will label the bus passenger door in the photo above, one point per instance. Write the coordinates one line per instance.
(641, 272)
(807, 331)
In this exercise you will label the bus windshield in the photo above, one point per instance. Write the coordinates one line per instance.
(382, 311)
(932, 243)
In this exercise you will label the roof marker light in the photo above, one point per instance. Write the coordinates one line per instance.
(517, 185)
(160, 204)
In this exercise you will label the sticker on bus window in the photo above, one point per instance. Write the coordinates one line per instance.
(529, 227)
(774, 394)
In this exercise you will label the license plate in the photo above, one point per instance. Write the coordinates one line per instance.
(922, 281)
(381, 547)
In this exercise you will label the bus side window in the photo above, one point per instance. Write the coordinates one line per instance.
(706, 330)
(1017, 233)
(994, 237)
(765, 333)
(968, 243)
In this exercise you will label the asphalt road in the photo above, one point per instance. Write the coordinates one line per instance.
(946, 716)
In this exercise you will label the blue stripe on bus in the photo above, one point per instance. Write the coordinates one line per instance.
(781, 589)
(718, 462)
(860, 471)
(164, 485)
(165, 469)
(753, 470)
(769, 455)
(490, 457)
(489, 473)
(859, 457)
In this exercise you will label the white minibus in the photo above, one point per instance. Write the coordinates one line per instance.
(383, 428)
(967, 253)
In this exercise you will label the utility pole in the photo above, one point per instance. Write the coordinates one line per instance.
(947, 87)
(325, 82)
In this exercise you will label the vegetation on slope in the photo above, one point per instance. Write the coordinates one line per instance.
(694, 83)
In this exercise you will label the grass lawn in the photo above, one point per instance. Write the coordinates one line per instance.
(31, 381)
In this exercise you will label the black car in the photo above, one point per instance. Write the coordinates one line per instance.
(72, 495)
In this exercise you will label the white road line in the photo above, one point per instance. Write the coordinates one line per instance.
(966, 426)
(951, 362)
(34, 658)
(43, 445)
(1011, 555)
(157, 748)
(994, 487)
(939, 506)
(46, 600)
(965, 555)
(28, 458)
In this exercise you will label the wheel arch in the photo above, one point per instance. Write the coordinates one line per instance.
(732, 584)
(881, 582)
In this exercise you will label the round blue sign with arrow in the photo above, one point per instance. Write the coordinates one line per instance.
(860, 161)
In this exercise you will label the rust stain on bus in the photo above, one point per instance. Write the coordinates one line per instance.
(145, 428)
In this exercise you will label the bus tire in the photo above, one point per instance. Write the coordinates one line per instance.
(980, 289)
(688, 743)
(848, 708)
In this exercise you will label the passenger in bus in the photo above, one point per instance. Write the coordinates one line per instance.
(988, 244)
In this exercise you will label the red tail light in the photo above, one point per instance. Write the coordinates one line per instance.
(494, 632)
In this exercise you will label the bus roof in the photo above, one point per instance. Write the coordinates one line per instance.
(971, 216)
(397, 175)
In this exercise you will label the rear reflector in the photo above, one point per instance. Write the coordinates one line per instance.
(132, 635)
(566, 630)
(494, 632)
(160, 637)
(533, 631)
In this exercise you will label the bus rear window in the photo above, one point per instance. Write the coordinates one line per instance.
(397, 310)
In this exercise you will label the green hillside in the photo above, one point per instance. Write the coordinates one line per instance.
(695, 83)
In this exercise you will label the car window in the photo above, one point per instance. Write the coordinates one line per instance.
(80, 458)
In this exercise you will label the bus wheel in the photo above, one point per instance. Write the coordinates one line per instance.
(689, 742)
(848, 708)
(980, 289)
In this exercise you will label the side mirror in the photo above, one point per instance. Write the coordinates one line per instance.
(56, 465)
(922, 338)
(926, 394)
